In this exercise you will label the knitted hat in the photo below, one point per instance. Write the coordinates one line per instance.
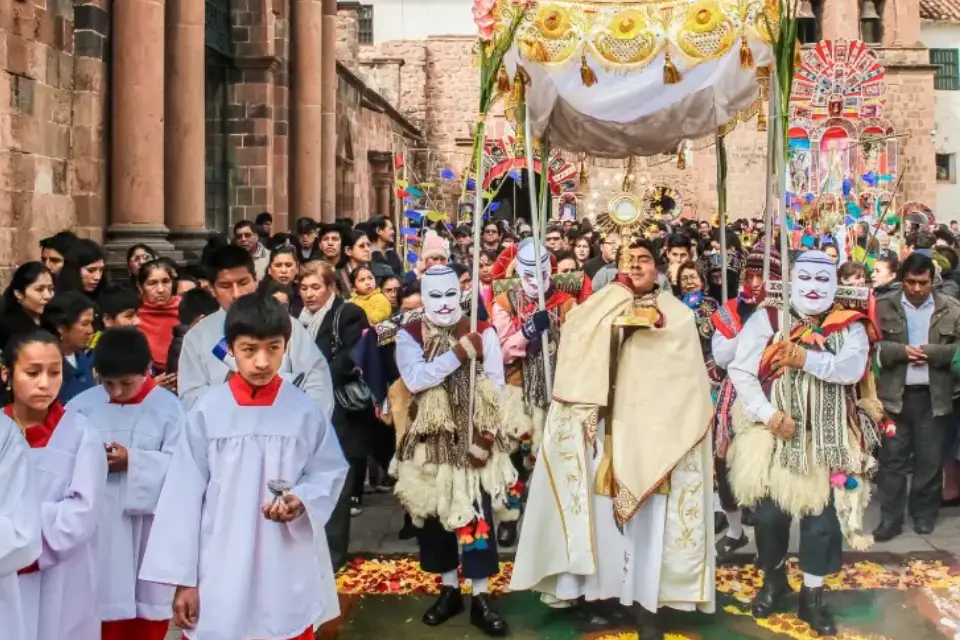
(755, 261)
(434, 246)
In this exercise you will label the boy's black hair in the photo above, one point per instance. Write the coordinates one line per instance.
(229, 257)
(115, 300)
(64, 310)
(409, 289)
(121, 351)
(195, 304)
(257, 316)
(263, 217)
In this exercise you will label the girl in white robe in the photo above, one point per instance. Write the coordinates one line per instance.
(59, 590)
(139, 423)
(19, 525)
(245, 574)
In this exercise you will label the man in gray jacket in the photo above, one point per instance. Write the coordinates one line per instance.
(920, 338)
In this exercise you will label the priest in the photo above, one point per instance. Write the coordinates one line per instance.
(621, 493)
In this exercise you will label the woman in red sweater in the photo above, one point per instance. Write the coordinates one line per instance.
(159, 313)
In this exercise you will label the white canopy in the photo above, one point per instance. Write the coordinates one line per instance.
(664, 70)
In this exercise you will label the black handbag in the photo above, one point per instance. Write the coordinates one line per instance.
(354, 395)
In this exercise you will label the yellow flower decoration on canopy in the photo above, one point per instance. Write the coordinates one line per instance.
(707, 31)
(703, 17)
(553, 21)
(626, 25)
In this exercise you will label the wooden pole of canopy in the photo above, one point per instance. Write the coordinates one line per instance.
(722, 206)
(537, 217)
(773, 121)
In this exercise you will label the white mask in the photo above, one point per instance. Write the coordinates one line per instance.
(440, 290)
(527, 269)
(813, 286)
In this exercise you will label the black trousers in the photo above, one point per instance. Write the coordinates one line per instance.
(727, 500)
(440, 550)
(917, 449)
(338, 526)
(821, 541)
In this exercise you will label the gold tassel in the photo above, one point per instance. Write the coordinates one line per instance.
(681, 160)
(587, 76)
(762, 118)
(746, 56)
(539, 52)
(797, 60)
(503, 80)
(670, 73)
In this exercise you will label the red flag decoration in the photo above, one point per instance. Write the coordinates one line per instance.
(402, 193)
(398, 161)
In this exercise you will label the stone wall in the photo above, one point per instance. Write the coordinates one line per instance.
(51, 122)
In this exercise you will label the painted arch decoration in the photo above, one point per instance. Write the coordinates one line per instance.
(840, 144)
(506, 154)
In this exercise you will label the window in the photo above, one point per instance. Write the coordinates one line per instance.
(365, 24)
(809, 15)
(947, 167)
(947, 76)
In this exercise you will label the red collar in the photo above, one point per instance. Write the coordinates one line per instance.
(148, 385)
(38, 436)
(247, 395)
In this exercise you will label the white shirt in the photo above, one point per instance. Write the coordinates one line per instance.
(918, 333)
(257, 578)
(149, 431)
(845, 367)
(723, 349)
(60, 600)
(200, 369)
(418, 374)
(20, 542)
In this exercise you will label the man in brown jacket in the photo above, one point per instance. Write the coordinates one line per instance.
(920, 338)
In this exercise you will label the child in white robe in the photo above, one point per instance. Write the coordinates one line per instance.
(239, 528)
(59, 590)
(138, 422)
(19, 525)
(205, 361)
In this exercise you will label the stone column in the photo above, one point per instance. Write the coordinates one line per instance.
(382, 179)
(136, 162)
(307, 23)
(328, 110)
(184, 136)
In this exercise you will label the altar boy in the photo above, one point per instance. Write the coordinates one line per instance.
(139, 423)
(260, 467)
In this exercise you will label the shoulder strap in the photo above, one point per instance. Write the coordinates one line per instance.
(337, 345)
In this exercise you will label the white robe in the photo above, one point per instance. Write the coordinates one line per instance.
(200, 369)
(257, 579)
(20, 542)
(60, 600)
(149, 431)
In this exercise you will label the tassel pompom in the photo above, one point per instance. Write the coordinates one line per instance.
(671, 75)
(681, 160)
(746, 56)
(587, 76)
(761, 119)
(503, 80)
(797, 60)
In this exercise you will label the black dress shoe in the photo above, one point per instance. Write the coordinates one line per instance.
(449, 604)
(887, 531)
(923, 527)
(775, 586)
(648, 625)
(407, 532)
(507, 534)
(719, 522)
(484, 616)
(815, 613)
(727, 546)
